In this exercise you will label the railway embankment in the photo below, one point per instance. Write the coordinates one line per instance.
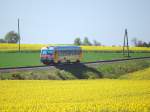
(78, 71)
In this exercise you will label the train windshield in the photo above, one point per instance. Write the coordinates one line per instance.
(47, 51)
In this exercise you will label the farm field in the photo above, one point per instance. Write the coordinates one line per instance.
(75, 96)
(33, 58)
(141, 74)
(4, 47)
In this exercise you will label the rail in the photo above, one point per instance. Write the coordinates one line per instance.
(53, 65)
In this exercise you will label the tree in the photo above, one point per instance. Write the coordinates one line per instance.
(134, 40)
(77, 41)
(139, 43)
(2, 41)
(149, 44)
(96, 43)
(11, 37)
(86, 41)
(145, 44)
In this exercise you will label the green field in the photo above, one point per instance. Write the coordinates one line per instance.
(33, 58)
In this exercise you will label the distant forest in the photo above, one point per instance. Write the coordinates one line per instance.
(86, 41)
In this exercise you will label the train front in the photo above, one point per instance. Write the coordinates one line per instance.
(47, 55)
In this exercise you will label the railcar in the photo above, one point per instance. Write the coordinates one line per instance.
(59, 54)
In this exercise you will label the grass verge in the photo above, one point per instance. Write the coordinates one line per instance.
(139, 75)
(80, 71)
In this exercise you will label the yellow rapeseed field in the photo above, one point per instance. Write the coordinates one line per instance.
(27, 47)
(33, 47)
(113, 48)
(141, 74)
(75, 96)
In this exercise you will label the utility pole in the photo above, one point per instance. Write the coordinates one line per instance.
(19, 34)
(126, 44)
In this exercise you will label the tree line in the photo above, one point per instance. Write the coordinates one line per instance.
(140, 43)
(13, 37)
(86, 41)
(10, 37)
(136, 42)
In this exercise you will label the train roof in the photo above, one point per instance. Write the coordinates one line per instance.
(67, 47)
(62, 48)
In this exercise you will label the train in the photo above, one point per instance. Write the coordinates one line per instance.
(60, 54)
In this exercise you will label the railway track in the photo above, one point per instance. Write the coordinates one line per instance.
(67, 64)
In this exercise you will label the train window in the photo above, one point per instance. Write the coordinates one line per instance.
(47, 52)
(59, 52)
(78, 52)
(50, 52)
(44, 51)
(71, 52)
(62, 53)
(75, 52)
(67, 52)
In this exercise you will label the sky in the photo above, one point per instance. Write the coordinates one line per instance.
(61, 21)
